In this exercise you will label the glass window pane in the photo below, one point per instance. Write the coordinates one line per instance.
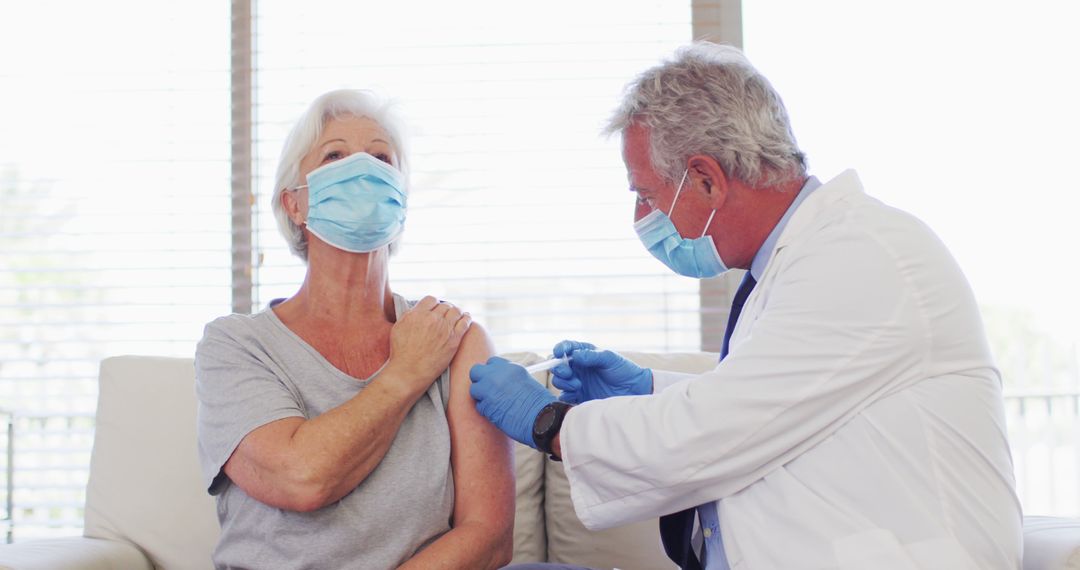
(963, 113)
(114, 224)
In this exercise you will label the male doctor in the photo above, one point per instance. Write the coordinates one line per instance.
(855, 418)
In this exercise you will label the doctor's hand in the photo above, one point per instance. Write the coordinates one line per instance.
(508, 397)
(595, 375)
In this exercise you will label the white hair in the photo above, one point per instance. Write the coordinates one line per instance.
(304, 134)
(708, 99)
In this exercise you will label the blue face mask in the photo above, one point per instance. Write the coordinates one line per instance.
(356, 204)
(690, 257)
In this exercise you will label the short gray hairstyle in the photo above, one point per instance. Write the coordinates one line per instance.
(708, 99)
(302, 137)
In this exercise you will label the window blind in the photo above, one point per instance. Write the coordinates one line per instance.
(114, 217)
(115, 180)
(519, 210)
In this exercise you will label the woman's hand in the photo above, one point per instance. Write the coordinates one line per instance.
(424, 339)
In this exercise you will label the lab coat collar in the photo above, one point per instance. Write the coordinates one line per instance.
(764, 254)
(843, 186)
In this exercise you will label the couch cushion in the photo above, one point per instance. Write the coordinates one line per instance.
(72, 553)
(1051, 543)
(530, 537)
(146, 405)
(144, 474)
(634, 546)
(630, 547)
(692, 362)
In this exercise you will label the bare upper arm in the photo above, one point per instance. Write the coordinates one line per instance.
(258, 462)
(480, 454)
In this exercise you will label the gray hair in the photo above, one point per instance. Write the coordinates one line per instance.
(710, 100)
(302, 137)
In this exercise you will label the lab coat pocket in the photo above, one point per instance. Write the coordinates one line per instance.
(877, 548)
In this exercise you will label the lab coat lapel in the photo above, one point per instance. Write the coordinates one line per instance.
(809, 218)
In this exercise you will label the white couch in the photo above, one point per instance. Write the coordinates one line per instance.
(146, 508)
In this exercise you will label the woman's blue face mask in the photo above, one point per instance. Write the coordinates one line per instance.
(696, 258)
(356, 204)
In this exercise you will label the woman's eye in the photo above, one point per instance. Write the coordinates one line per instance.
(384, 157)
(333, 155)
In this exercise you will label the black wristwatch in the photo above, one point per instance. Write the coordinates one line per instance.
(547, 425)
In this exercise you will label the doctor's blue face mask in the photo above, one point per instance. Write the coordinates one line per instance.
(356, 204)
(690, 257)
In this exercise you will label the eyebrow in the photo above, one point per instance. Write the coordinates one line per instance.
(343, 140)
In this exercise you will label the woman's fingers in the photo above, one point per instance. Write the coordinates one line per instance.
(451, 313)
(427, 303)
(463, 323)
(430, 333)
(443, 308)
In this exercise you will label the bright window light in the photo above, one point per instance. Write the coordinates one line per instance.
(963, 113)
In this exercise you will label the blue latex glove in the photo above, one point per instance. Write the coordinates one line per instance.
(595, 375)
(508, 397)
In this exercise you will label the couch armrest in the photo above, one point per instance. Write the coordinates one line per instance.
(75, 553)
(1051, 543)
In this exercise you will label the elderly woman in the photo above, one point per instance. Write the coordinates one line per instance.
(335, 427)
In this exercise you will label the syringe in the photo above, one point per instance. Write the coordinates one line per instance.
(546, 365)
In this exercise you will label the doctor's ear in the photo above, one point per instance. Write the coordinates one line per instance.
(706, 176)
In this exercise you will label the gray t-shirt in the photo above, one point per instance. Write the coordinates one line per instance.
(251, 370)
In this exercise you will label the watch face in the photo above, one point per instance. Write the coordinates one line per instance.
(545, 420)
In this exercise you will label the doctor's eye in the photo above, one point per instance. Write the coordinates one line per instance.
(642, 197)
(384, 157)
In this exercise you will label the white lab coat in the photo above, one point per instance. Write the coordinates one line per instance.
(856, 423)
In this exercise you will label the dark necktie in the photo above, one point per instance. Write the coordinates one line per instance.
(737, 303)
(676, 529)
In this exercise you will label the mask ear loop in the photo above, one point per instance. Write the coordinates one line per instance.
(678, 191)
(707, 224)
